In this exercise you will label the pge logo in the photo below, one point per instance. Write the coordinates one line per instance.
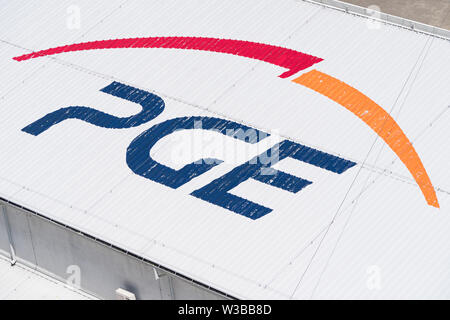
(259, 168)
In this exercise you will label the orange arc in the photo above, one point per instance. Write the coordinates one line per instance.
(376, 118)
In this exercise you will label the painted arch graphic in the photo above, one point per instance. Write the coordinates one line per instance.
(343, 94)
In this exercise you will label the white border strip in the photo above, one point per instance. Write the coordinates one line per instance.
(384, 17)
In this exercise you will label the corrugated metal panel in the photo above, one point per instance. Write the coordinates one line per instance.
(324, 241)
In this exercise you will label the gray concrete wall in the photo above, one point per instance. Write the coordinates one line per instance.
(60, 252)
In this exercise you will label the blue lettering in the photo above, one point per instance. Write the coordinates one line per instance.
(140, 162)
(152, 106)
(217, 192)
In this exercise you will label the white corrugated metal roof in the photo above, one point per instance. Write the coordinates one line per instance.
(22, 283)
(365, 233)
